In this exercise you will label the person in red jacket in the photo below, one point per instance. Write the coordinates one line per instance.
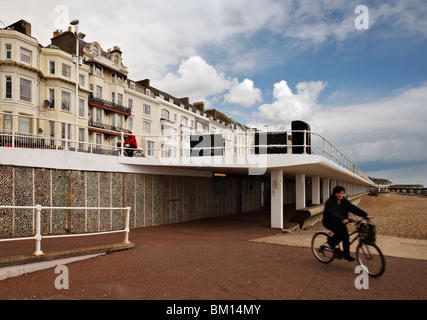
(130, 144)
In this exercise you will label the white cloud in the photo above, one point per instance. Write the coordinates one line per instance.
(199, 81)
(289, 106)
(388, 131)
(244, 94)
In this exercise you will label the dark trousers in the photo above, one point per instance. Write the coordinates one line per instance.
(340, 234)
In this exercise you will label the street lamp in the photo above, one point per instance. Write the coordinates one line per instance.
(75, 23)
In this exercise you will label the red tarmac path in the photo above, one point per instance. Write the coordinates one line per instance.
(210, 259)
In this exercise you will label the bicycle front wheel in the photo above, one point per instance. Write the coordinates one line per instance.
(370, 257)
(321, 249)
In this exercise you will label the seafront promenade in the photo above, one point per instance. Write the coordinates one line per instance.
(223, 259)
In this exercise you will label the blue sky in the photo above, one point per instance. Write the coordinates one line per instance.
(268, 62)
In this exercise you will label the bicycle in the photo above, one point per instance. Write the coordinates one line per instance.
(138, 153)
(368, 255)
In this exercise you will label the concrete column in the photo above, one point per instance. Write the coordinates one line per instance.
(326, 190)
(277, 199)
(315, 190)
(333, 184)
(300, 191)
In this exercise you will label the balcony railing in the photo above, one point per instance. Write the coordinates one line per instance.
(110, 105)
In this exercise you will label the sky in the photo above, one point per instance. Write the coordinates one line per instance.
(356, 71)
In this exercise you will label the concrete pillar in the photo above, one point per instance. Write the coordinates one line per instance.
(333, 184)
(277, 199)
(315, 190)
(300, 191)
(326, 190)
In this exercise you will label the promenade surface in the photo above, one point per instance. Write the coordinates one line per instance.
(228, 258)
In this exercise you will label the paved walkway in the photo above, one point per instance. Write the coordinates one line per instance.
(231, 258)
(390, 246)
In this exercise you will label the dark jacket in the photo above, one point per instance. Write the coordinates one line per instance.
(334, 213)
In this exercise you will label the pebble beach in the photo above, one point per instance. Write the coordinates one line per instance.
(400, 215)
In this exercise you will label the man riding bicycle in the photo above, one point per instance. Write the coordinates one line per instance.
(335, 219)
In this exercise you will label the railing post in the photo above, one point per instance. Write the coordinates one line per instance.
(127, 229)
(38, 236)
(122, 144)
(305, 142)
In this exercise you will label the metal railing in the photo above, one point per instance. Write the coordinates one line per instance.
(169, 144)
(38, 237)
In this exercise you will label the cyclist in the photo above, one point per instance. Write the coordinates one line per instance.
(335, 219)
(131, 144)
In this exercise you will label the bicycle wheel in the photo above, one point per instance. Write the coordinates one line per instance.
(370, 257)
(321, 249)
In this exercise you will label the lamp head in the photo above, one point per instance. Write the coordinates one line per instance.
(74, 22)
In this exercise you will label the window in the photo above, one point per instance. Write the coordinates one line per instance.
(130, 123)
(24, 125)
(8, 87)
(81, 138)
(147, 127)
(150, 148)
(26, 56)
(119, 121)
(82, 108)
(82, 79)
(8, 52)
(95, 50)
(98, 115)
(113, 97)
(169, 131)
(132, 86)
(65, 133)
(120, 99)
(65, 101)
(52, 132)
(25, 90)
(52, 98)
(168, 151)
(52, 67)
(130, 104)
(147, 110)
(99, 92)
(98, 71)
(119, 80)
(165, 114)
(184, 121)
(113, 78)
(148, 92)
(8, 123)
(116, 60)
(66, 70)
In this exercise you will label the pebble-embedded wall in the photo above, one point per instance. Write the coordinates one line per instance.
(155, 199)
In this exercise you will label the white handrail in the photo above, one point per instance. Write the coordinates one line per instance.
(38, 236)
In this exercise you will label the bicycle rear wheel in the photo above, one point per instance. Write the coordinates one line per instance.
(321, 249)
(370, 257)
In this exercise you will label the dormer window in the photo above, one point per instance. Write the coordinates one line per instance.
(95, 50)
(116, 60)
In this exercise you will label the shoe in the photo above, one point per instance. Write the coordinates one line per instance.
(338, 253)
(349, 258)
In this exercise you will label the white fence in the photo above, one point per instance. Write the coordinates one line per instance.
(38, 236)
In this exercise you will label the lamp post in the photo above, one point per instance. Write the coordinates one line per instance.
(75, 23)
